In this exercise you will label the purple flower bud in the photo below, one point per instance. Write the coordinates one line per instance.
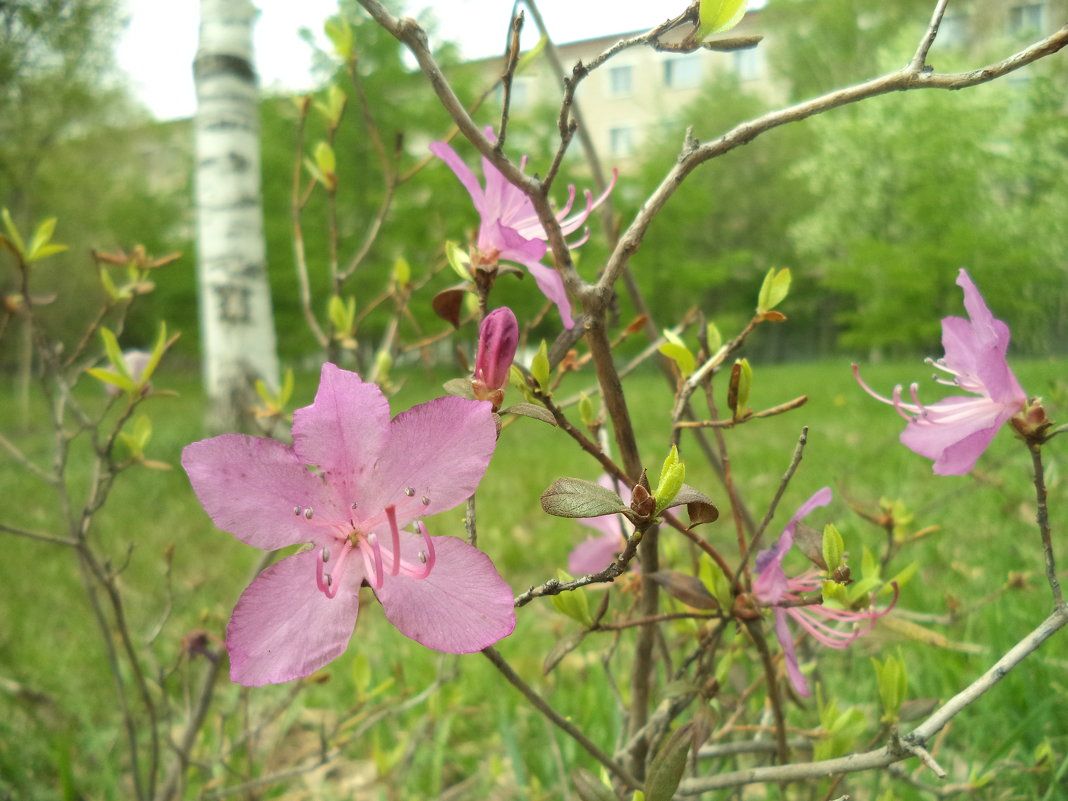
(498, 338)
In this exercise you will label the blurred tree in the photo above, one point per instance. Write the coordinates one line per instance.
(73, 145)
(237, 326)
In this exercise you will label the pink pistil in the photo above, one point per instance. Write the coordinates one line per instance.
(373, 561)
(391, 515)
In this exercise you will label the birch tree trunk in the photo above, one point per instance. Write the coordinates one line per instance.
(236, 322)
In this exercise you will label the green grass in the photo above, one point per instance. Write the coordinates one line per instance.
(61, 738)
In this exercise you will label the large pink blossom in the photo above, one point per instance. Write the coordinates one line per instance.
(594, 554)
(956, 430)
(509, 227)
(350, 484)
(773, 588)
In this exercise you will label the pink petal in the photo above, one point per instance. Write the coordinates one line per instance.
(789, 655)
(461, 607)
(955, 432)
(439, 450)
(283, 628)
(509, 244)
(251, 486)
(551, 285)
(462, 171)
(595, 554)
(343, 432)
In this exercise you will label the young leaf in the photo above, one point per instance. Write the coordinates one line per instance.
(402, 272)
(339, 32)
(458, 260)
(574, 604)
(717, 16)
(714, 338)
(114, 352)
(539, 367)
(157, 353)
(833, 547)
(774, 290)
(14, 237)
(676, 350)
(672, 476)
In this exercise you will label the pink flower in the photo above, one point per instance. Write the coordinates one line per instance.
(773, 587)
(956, 430)
(595, 553)
(349, 484)
(510, 229)
(498, 338)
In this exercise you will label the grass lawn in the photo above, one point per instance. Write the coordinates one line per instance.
(400, 722)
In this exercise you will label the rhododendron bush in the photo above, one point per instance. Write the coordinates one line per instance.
(724, 637)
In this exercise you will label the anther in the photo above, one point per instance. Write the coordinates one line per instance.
(425, 500)
(409, 491)
(296, 511)
(422, 557)
(308, 513)
(329, 580)
(326, 554)
(354, 505)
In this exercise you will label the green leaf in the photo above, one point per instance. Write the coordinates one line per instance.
(676, 350)
(741, 384)
(716, 580)
(714, 337)
(157, 353)
(590, 788)
(774, 290)
(528, 57)
(402, 272)
(41, 237)
(717, 16)
(13, 233)
(339, 32)
(326, 163)
(586, 412)
(531, 410)
(108, 377)
(114, 352)
(833, 547)
(901, 578)
(667, 767)
(286, 392)
(574, 497)
(574, 603)
(539, 367)
(458, 260)
(892, 679)
(672, 476)
(361, 674)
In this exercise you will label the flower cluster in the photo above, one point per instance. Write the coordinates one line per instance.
(956, 430)
(350, 484)
(773, 588)
(509, 228)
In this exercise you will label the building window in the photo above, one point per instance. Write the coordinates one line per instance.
(953, 31)
(1027, 19)
(521, 93)
(747, 64)
(682, 73)
(621, 141)
(620, 81)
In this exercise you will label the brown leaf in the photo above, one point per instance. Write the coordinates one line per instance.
(686, 588)
(448, 304)
(810, 541)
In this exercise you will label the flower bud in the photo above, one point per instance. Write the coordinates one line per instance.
(498, 338)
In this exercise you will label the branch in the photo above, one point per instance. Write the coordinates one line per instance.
(908, 78)
(888, 755)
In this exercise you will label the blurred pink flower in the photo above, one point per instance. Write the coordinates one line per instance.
(349, 484)
(773, 587)
(509, 227)
(956, 430)
(593, 554)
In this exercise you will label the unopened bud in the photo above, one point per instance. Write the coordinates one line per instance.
(498, 337)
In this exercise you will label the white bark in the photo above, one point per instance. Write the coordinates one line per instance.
(236, 322)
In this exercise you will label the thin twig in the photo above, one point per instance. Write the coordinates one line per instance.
(561, 722)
